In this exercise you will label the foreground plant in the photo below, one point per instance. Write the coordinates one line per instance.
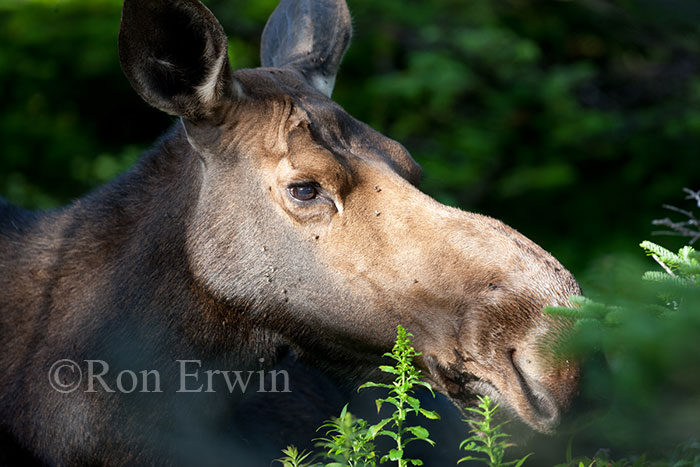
(348, 442)
(680, 269)
(486, 439)
(639, 337)
(293, 458)
(407, 379)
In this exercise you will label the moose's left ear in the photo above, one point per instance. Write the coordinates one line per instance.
(174, 53)
(310, 36)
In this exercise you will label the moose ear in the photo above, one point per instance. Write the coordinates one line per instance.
(310, 36)
(174, 53)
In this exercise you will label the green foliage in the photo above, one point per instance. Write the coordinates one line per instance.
(348, 442)
(407, 379)
(643, 341)
(63, 97)
(680, 269)
(687, 455)
(486, 439)
(293, 458)
(351, 440)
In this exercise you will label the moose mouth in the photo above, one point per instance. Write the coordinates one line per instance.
(518, 394)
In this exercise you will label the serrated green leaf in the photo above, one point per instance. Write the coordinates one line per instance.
(374, 429)
(579, 300)
(395, 454)
(390, 434)
(564, 312)
(432, 415)
(427, 386)
(371, 384)
(413, 402)
(393, 401)
(662, 253)
(418, 431)
(472, 458)
(467, 444)
(522, 461)
(663, 277)
(389, 369)
(378, 403)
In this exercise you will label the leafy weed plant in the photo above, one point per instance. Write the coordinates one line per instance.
(347, 442)
(407, 378)
(293, 458)
(487, 439)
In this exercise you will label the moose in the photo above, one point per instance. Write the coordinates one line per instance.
(266, 229)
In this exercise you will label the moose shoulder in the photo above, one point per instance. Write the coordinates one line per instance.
(267, 227)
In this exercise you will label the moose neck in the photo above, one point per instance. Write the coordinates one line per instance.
(128, 240)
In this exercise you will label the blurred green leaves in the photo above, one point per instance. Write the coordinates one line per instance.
(639, 342)
(64, 100)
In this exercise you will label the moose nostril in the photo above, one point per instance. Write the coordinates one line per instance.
(541, 402)
(511, 356)
(522, 362)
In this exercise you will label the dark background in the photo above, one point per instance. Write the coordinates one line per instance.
(572, 121)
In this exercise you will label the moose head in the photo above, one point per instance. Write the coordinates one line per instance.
(268, 219)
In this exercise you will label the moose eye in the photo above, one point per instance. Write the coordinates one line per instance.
(303, 192)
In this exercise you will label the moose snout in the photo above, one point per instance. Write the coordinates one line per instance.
(495, 340)
(543, 387)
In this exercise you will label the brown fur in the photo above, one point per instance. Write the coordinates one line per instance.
(200, 252)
